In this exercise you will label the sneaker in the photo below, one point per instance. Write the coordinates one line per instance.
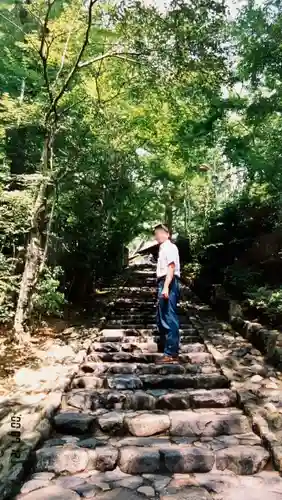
(167, 360)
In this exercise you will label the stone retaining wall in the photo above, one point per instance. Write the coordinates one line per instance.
(267, 340)
(258, 386)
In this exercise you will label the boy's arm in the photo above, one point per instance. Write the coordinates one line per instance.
(171, 258)
(168, 280)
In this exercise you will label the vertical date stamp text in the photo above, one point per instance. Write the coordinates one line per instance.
(15, 434)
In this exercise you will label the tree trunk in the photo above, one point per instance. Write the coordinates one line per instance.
(35, 250)
(32, 263)
(168, 216)
(187, 211)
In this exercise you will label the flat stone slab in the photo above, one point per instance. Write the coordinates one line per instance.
(59, 459)
(213, 398)
(51, 493)
(135, 460)
(122, 382)
(147, 424)
(73, 459)
(92, 382)
(190, 348)
(105, 459)
(191, 493)
(131, 482)
(230, 486)
(243, 460)
(178, 400)
(34, 484)
(72, 422)
(183, 459)
(119, 494)
(200, 358)
(151, 441)
(201, 381)
(189, 423)
(112, 422)
(112, 335)
(148, 491)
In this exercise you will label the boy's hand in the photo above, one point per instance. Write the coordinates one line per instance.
(165, 293)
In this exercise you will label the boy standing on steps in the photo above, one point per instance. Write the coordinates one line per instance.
(168, 274)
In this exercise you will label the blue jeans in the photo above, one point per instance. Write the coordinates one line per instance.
(167, 319)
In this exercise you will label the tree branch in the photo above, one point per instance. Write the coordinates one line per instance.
(48, 232)
(118, 55)
(63, 111)
(76, 64)
(17, 27)
(97, 75)
(44, 51)
(64, 54)
(12, 23)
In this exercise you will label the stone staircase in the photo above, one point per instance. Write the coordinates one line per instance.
(130, 429)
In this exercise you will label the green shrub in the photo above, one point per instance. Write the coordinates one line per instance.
(266, 299)
(48, 300)
(241, 278)
(192, 269)
(9, 283)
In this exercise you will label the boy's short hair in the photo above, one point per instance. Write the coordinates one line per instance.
(162, 226)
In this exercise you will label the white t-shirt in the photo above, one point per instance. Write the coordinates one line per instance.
(168, 254)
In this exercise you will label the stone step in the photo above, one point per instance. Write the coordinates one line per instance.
(150, 271)
(141, 278)
(145, 382)
(123, 322)
(135, 295)
(129, 326)
(129, 310)
(91, 400)
(137, 291)
(139, 288)
(202, 381)
(184, 339)
(117, 317)
(118, 353)
(137, 342)
(134, 331)
(144, 280)
(145, 343)
(142, 285)
(130, 460)
(145, 369)
(135, 288)
(135, 305)
(140, 268)
(197, 359)
(127, 314)
(124, 466)
(194, 424)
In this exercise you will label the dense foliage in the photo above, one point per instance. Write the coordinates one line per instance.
(242, 245)
(115, 116)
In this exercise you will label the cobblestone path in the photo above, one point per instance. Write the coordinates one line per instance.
(129, 429)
